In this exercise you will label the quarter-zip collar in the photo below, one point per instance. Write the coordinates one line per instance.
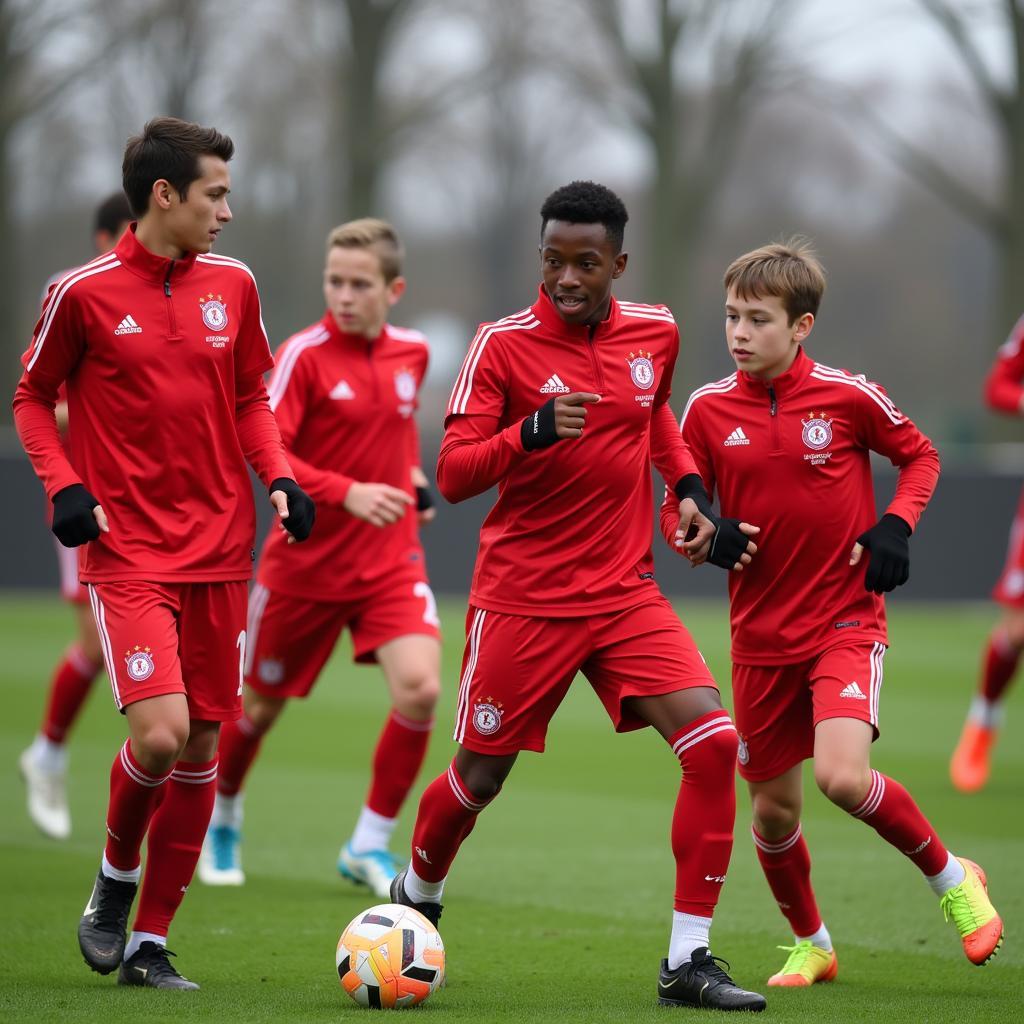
(544, 310)
(785, 384)
(147, 265)
(360, 341)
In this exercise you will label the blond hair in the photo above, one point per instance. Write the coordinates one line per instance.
(376, 235)
(788, 270)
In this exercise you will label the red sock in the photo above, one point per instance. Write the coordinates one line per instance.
(705, 813)
(787, 866)
(446, 816)
(69, 687)
(239, 744)
(999, 667)
(890, 810)
(175, 839)
(396, 763)
(134, 795)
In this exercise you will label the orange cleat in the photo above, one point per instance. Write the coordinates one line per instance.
(969, 768)
(980, 927)
(806, 965)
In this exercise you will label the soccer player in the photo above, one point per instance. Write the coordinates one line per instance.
(970, 765)
(344, 393)
(788, 440)
(163, 350)
(563, 405)
(43, 765)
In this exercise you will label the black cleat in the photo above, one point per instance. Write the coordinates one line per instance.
(149, 966)
(431, 911)
(101, 931)
(702, 982)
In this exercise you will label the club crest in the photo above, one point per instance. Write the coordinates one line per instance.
(139, 662)
(215, 312)
(405, 385)
(487, 716)
(817, 432)
(641, 369)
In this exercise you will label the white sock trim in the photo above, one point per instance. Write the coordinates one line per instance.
(50, 757)
(136, 939)
(372, 832)
(820, 938)
(689, 932)
(227, 810)
(948, 878)
(118, 875)
(986, 713)
(421, 891)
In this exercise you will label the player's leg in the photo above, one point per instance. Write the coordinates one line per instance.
(843, 772)
(212, 647)
(44, 764)
(647, 670)
(970, 765)
(288, 643)
(515, 672)
(138, 631)
(412, 668)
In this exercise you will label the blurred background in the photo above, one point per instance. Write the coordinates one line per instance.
(889, 131)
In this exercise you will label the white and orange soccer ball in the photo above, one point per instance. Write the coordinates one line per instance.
(390, 957)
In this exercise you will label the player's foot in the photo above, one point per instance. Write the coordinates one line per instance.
(101, 930)
(703, 982)
(806, 965)
(220, 862)
(47, 797)
(980, 927)
(149, 966)
(376, 868)
(431, 911)
(971, 760)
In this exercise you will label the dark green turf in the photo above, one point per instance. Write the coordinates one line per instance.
(558, 908)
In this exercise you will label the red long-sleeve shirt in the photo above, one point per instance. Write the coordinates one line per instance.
(163, 361)
(570, 532)
(1004, 386)
(792, 457)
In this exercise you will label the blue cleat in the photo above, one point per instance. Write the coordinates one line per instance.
(375, 868)
(220, 862)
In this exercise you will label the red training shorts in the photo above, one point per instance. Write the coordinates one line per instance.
(161, 638)
(776, 707)
(1009, 588)
(291, 639)
(517, 669)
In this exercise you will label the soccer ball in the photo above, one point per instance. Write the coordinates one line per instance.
(390, 957)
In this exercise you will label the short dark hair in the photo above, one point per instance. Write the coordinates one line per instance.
(112, 213)
(168, 148)
(586, 202)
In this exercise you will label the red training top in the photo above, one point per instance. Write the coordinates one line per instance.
(792, 456)
(345, 407)
(570, 533)
(1003, 386)
(163, 361)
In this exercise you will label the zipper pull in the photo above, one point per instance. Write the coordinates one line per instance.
(771, 396)
(167, 280)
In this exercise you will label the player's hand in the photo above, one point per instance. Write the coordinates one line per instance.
(294, 507)
(888, 541)
(721, 541)
(425, 510)
(377, 504)
(558, 419)
(78, 517)
(695, 532)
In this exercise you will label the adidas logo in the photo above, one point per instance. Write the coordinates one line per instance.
(342, 390)
(736, 437)
(854, 692)
(128, 326)
(554, 386)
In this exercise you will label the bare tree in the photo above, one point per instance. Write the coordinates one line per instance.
(693, 84)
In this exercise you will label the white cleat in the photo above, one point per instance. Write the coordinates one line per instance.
(47, 797)
(220, 862)
(375, 868)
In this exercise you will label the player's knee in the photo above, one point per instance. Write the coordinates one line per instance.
(417, 697)
(715, 752)
(261, 711)
(485, 776)
(846, 786)
(158, 746)
(774, 817)
(1013, 627)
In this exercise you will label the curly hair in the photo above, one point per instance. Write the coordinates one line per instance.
(586, 202)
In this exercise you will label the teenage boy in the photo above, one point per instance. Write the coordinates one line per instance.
(788, 440)
(44, 764)
(563, 405)
(971, 762)
(163, 350)
(344, 393)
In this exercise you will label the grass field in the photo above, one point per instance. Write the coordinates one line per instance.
(558, 908)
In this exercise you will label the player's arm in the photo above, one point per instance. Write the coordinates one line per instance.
(882, 428)
(57, 346)
(1004, 385)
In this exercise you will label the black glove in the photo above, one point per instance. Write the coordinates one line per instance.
(73, 521)
(301, 510)
(729, 541)
(424, 499)
(538, 430)
(888, 541)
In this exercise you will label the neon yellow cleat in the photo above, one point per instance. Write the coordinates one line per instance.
(806, 965)
(980, 927)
